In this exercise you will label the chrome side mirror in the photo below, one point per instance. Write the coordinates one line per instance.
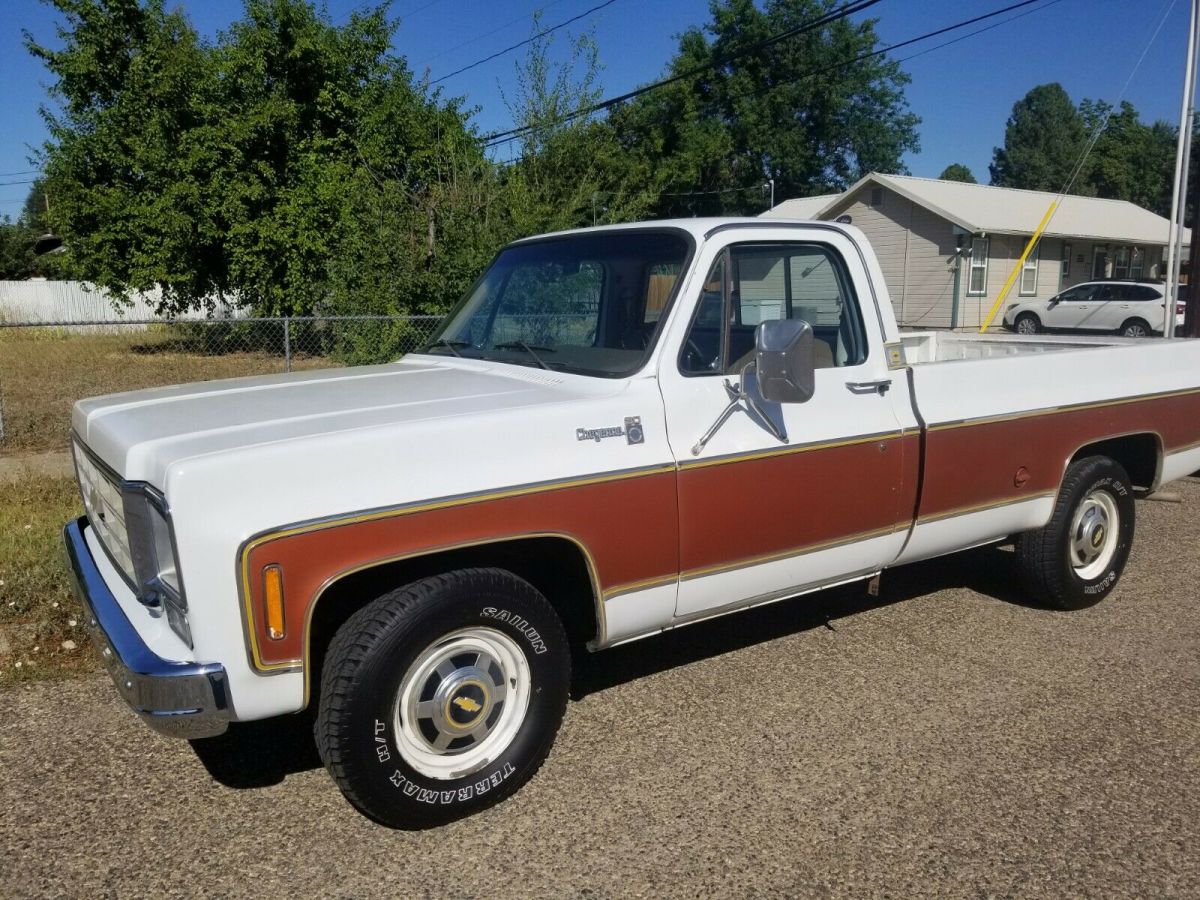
(784, 360)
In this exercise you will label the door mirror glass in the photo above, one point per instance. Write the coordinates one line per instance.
(784, 360)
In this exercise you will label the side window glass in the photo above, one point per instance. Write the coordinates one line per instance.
(775, 281)
(702, 350)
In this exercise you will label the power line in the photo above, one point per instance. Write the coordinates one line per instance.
(1103, 124)
(7, 183)
(26, 172)
(486, 34)
(839, 13)
(503, 137)
(529, 40)
(422, 8)
(971, 34)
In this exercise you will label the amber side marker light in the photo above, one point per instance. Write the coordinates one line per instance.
(273, 601)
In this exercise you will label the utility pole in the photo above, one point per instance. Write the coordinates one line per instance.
(1183, 150)
(1191, 320)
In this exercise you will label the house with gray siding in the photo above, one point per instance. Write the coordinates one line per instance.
(947, 248)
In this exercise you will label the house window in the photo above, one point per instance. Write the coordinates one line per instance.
(1029, 272)
(877, 196)
(977, 279)
(1099, 262)
(1121, 263)
(1137, 262)
(1066, 261)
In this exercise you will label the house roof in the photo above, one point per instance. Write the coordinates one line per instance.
(800, 207)
(984, 208)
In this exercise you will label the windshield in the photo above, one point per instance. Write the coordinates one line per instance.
(588, 303)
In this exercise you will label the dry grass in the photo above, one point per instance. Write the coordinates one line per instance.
(37, 611)
(43, 371)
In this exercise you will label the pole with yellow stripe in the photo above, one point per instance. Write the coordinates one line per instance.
(1012, 276)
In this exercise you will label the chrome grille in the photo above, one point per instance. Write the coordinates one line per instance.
(105, 509)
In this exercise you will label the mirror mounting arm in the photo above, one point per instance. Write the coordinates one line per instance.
(737, 395)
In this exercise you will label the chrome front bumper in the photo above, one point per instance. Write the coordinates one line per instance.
(189, 700)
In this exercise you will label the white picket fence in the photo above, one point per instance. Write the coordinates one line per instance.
(38, 300)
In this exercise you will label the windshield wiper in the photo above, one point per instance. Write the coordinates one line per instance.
(521, 345)
(452, 346)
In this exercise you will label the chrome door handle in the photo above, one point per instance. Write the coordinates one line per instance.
(869, 387)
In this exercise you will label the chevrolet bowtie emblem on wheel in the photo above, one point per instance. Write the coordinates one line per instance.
(466, 704)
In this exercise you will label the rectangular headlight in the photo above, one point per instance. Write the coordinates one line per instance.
(132, 523)
(152, 549)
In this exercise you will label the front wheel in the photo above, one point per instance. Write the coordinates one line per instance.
(443, 697)
(1027, 323)
(1076, 560)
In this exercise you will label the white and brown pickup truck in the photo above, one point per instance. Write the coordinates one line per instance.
(618, 431)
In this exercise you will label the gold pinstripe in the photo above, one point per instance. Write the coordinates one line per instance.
(616, 590)
(788, 451)
(1053, 410)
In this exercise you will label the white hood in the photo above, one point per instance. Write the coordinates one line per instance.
(140, 433)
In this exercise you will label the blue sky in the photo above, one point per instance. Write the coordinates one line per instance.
(962, 92)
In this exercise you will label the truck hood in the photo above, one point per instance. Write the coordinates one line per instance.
(139, 434)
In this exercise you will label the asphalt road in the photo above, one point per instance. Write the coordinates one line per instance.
(944, 739)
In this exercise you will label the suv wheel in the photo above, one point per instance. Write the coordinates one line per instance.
(1027, 323)
(1135, 328)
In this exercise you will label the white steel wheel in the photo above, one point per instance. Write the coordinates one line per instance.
(1094, 535)
(461, 703)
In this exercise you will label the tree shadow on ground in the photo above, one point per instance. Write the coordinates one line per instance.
(260, 754)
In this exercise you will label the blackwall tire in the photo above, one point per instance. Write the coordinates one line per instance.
(1135, 328)
(1076, 560)
(443, 697)
(1027, 323)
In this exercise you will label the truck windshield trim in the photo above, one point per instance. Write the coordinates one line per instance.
(591, 303)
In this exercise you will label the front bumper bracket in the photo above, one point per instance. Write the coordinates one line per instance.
(188, 700)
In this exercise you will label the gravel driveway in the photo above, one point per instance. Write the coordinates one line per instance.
(943, 739)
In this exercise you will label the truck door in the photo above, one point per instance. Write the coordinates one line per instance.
(760, 517)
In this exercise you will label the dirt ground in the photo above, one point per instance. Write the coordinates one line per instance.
(944, 739)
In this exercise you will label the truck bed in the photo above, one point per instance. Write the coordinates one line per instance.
(922, 347)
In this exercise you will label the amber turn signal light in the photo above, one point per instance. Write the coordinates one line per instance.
(273, 601)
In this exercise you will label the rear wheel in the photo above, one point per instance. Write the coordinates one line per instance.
(1028, 323)
(443, 697)
(1135, 328)
(1077, 558)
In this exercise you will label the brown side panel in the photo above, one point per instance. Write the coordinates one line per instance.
(745, 510)
(629, 527)
(976, 464)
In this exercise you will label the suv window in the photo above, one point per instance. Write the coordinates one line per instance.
(1077, 294)
(1107, 293)
(753, 283)
(1142, 293)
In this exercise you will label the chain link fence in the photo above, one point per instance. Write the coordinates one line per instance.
(46, 366)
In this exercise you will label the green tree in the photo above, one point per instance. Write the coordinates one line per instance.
(1131, 160)
(253, 168)
(16, 250)
(957, 172)
(798, 112)
(1043, 139)
(568, 170)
